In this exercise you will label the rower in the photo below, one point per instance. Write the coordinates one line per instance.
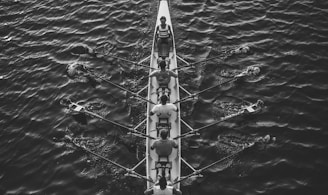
(163, 33)
(164, 109)
(163, 148)
(163, 188)
(163, 76)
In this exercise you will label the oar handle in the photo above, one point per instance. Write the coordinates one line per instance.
(209, 88)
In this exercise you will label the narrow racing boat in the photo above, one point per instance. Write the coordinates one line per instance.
(167, 52)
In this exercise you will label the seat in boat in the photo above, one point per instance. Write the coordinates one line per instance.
(163, 123)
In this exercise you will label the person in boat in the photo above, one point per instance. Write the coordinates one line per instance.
(163, 75)
(163, 148)
(163, 32)
(164, 109)
(163, 188)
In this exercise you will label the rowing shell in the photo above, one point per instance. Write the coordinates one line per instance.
(174, 120)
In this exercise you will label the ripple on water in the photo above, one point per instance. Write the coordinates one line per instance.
(288, 39)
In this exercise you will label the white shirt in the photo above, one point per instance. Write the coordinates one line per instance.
(164, 111)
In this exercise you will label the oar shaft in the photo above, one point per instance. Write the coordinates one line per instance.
(98, 155)
(116, 85)
(112, 162)
(122, 88)
(221, 160)
(208, 59)
(212, 87)
(220, 121)
(197, 172)
(204, 90)
(229, 53)
(123, 59)
(118, 124)
(107, 120)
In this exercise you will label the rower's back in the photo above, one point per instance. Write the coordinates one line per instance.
(164, 109)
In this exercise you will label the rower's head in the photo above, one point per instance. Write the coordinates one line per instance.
(164, 133)
(162, 183)
(163, 20)
(162, 65)
(164, 99)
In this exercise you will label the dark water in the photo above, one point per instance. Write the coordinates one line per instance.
(288, 40)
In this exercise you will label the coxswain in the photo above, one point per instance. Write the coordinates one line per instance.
(163, 32)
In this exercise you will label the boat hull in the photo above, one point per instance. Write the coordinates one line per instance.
(174, 120)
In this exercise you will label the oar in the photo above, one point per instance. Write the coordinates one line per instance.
(204, 90)
(250, 70)
(252, 108)
(129, 61)
(122, 88)
(195, 131)
(130, 171)
(81, 109)
(227, 54)
(198, 172)
(99, 55)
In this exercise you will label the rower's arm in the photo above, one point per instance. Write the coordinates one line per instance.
(153, 74)
(152, 147)
(173, 74)
(175, 145)
(153, 111)
(156, 32)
